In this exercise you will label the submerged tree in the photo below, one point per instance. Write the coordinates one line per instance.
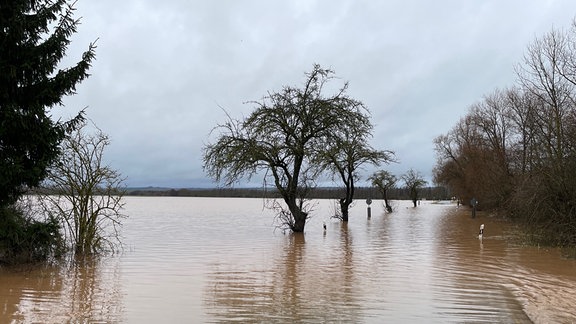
(282, 137)
(345, 159)
(25, 236)
(347, 151)
(384, 181)
(414, 182)
(86, 194)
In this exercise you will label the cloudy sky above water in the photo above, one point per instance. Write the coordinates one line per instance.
(164, 68)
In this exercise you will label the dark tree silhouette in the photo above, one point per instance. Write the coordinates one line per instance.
(34, 36)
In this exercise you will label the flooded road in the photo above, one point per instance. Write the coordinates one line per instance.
(211, 260)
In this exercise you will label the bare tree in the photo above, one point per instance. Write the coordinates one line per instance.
(86, 194)
(414, 182)
(347, 152)
(384, 181)
(546, 196)
(281, 138)
(459, 154)
(523, 108)
(542, 74)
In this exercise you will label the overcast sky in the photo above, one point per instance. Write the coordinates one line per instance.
(163, 69)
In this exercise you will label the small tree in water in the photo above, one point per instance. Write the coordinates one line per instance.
(347, 151)
(86, 193)
(384, 181)
(414, 182)
(281, 138)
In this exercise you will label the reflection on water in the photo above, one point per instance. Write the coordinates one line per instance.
(85, 291)
(220, 260)
(301, 285)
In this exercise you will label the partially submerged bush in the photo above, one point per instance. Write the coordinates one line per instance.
(25, 239)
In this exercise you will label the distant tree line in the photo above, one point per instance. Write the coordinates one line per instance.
(428, 193)
(515, 151)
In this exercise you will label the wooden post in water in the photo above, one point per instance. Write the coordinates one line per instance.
(369, 211)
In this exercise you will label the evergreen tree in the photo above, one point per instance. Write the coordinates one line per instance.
(34, 37)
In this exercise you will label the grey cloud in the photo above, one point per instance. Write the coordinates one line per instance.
(164, 68)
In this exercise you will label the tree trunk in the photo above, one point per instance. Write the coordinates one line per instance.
(347, 200)
(386, 203)
(414, 196)
(299, 221)
(344, 205)
(388, 207)
(297, 218)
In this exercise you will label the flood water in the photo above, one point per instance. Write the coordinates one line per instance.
(211, 260)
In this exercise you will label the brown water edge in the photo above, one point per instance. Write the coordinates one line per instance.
(541, 280)
(220, 260)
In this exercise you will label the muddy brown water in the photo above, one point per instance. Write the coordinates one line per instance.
(209, 260)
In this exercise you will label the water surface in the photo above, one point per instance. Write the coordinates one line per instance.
(210, 260)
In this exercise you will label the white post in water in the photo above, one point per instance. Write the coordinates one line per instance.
(481, 234)
(369, 211)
